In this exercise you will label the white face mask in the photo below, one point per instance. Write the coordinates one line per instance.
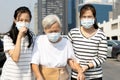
(22, 24)
(87, 23)
(53, 37)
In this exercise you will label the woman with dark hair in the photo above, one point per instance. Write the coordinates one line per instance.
(18, 45)
(89, 44)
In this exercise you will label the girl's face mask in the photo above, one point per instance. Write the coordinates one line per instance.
(22, 24)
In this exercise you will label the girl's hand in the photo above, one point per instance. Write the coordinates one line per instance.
(22, 31)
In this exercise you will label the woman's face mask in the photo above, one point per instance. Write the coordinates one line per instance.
(87, 23)
(53, 37)
(22, 24)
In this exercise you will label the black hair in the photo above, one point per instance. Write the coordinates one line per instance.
(92, 8)
(13, 33)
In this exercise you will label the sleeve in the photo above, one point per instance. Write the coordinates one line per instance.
(35, 53)
(71, 54)
(70, 36)
(8, 43)
(102, 53)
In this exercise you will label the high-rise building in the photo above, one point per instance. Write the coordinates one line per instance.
(71, 14)
(116, 10)
(80, 1)
(58, 7)
(36, 18)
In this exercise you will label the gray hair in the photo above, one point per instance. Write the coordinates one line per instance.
(49, 20)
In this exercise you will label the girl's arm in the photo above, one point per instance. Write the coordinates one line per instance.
(15, 53)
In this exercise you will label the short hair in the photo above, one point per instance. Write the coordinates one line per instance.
(49, 20)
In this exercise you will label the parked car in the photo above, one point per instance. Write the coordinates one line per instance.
(2, 55)
(111, 44)
(116, 52)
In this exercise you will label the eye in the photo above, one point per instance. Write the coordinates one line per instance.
(87, 16)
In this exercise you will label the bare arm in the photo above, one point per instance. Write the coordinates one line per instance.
(76, 66)
(15, 53)
(36, 71)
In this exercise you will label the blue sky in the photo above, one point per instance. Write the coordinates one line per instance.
(8, 7)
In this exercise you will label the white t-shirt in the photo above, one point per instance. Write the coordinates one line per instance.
(20, 70)
(52, 54)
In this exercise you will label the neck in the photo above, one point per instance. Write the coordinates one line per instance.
(92, 29)
(88, 32)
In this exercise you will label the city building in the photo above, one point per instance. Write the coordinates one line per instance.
(58, 7)
(71, 14)
(116, 10)
(111, 28)
(36, 19)
(93, 1)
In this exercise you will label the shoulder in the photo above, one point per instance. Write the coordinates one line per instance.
(74, 29)
(40, 38)
(66, 40)
(7, 37)
(101, 34)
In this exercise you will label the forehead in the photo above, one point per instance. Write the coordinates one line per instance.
(23, 16)
(87, 12)
(55, 27)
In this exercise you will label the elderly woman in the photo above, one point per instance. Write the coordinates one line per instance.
(52, 52)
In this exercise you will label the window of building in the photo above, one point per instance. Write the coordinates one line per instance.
(114, 26)
(108, 38)
(101, 28)
(114, 37)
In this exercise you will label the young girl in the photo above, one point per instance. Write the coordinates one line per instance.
(18, 47)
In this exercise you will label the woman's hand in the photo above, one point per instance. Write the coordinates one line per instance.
(84, 68)
(80, 76)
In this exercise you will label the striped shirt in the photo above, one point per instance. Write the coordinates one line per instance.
(86, 50)
(20, 70)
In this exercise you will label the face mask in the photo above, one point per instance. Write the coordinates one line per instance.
(22, 24)
(87, 23)
(53, 37)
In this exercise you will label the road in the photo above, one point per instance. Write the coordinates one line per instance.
(111, 70)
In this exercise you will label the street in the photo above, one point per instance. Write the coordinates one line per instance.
(111, 70)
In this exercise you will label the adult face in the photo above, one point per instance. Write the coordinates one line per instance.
(87, 19)
(53, 33)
